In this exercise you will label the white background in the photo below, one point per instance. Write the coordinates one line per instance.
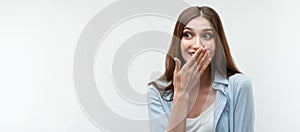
(38, 40)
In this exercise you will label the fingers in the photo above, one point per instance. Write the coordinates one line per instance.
(199, 61)
(204, 57)
(176, 76)
(194, 58)
(201, 56)
(204, 62)
(177, 65)
(203, 68)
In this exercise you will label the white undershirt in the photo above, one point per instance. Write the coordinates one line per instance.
(201, 123)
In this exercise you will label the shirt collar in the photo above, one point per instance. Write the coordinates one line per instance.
(219, 79)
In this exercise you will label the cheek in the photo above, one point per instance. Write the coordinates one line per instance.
(184, 50)
(183, 46)
(211, 47)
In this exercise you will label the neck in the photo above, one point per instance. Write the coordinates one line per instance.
(205, 80)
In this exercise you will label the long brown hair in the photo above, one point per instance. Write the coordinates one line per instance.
(222, 62)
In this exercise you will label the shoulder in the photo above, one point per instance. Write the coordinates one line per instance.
(240, 84)
(240, 80)
(152, 92)
(155, 98)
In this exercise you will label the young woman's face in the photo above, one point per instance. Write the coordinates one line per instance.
(197, 34)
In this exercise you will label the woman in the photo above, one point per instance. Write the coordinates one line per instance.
(201, 89)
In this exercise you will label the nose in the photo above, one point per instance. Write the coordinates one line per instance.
(198, 43)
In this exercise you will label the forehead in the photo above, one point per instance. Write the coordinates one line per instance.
(199, 23)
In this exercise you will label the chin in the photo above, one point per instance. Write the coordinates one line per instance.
(187, 58)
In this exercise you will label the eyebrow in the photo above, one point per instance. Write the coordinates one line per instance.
(207, 29)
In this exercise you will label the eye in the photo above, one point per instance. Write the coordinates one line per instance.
(187, 35)
(207, 36)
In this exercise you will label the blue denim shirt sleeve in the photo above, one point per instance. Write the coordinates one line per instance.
(244, 106)
(158, 117)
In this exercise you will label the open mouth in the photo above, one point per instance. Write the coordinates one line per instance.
(191, 53)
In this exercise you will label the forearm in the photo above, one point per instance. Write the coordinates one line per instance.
(180, 110)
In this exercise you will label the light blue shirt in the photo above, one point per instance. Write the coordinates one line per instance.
(234, 105)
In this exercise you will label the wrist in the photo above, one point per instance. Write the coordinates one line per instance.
(187, 98)
(181, 97)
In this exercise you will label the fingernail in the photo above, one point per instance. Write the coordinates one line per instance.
(174, 59)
